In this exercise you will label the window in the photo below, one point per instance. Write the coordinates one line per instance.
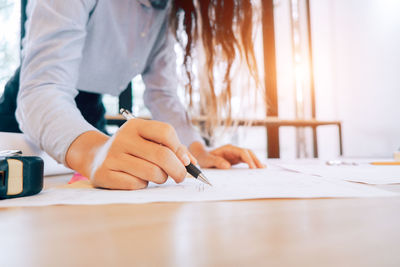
(9, 39)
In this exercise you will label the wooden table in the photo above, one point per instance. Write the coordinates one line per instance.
(304, 232)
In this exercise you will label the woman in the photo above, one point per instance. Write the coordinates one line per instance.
(98, 46)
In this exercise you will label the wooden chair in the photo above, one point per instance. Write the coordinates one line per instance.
(273, 122)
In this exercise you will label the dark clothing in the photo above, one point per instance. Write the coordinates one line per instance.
(8, 105)
(90, 105)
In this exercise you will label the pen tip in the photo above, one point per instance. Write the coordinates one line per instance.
(202, 178)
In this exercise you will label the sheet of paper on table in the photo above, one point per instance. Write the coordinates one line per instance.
(234, 184)
(363, 172)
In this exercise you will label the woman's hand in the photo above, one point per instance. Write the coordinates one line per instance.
(141, 151)
(224, 157)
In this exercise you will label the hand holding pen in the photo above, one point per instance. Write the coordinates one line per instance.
(190, 167)
(141, 151)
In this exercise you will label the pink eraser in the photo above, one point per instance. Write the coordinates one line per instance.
(77, 177)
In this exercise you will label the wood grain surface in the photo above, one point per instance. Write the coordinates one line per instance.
(317, 232)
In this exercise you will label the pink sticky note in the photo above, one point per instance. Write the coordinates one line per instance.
(77, 177)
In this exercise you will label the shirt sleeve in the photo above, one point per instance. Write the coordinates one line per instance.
(46, 109)
(160, 96)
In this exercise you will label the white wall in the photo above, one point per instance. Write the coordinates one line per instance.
(357, 62)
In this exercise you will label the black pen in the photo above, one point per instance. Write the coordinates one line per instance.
(192, 169)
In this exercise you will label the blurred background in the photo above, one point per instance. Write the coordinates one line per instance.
(356, 61)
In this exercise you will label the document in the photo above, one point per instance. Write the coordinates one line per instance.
(361, 171)
(233, 184)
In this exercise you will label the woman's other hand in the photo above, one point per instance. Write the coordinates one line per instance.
(224, 157)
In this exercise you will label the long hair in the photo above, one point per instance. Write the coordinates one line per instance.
(225, 28)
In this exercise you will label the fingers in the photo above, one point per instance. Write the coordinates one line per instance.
(182, 154)
(246, 157)
(156, 142)
(220, 163)
(159, 155)
(140, 168)
(214, 161)
(251, 159)
(141, 151)
(119, 180)
(158, 132)
(185, 156)
(192, 159)
(236, 154)
(256, 160)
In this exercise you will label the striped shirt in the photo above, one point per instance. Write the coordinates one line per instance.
(94, 46)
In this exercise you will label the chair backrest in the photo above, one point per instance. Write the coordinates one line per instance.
(271, 90)
(271, 76)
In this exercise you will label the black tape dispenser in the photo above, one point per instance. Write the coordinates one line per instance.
(20, 175)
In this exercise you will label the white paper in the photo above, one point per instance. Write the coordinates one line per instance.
(231, 184)
(361, 173)
(18, 141)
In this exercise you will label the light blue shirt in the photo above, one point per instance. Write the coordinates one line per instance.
(95, 46)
